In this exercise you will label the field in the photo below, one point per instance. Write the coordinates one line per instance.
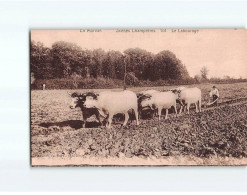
(216, 136)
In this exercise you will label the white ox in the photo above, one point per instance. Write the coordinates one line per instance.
(161, 100)
(111, 103)
(190, 96)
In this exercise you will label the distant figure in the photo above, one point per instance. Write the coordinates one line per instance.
(215, 94)
(43, 86)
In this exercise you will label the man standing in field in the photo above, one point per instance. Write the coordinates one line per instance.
(215, 94)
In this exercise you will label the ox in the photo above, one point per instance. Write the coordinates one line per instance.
(161, 100)
(110, 103)
(190, 96)
(78, 101)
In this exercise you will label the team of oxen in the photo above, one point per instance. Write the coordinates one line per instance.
(110, 103)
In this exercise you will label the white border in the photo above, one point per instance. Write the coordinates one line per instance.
(18, 17)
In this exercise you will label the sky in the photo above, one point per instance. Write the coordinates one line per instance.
(222, 51)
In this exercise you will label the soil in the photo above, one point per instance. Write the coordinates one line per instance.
(217, 132)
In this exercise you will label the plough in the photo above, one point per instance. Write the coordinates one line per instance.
(210, 103)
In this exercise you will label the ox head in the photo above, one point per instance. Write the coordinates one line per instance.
(139, 95)
(91, 100)
(77, 100)
(177, 92)
(145, 101)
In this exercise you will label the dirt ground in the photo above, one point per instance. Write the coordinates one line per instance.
(217, 136)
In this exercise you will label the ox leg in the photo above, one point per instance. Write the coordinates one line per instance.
(166, 114)
(105, 120)
(153, 113)
(188, 108)
(126, 118)
(159, 113)
(200, 105)
(185, 107)
(132, 114)
(98, 118)
(109, 121)
(136, 115)
(175, 108)
(196, 106)
(181, 109)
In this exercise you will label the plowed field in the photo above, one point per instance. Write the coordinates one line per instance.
(215, 133)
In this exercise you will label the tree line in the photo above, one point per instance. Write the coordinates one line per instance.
(68, 60)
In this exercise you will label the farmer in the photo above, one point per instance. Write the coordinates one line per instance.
(215, 94)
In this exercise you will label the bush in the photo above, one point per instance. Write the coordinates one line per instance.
(227, 81)
(68, 83)
(131, 79)
(107, 83)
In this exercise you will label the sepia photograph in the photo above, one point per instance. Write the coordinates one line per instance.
(138, 97)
